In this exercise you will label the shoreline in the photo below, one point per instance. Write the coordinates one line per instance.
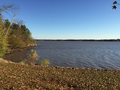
(3, 59)
(12, 51)
(103, 40)
(58, 67)
(21, 49)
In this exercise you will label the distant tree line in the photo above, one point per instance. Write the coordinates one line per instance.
(78, 40)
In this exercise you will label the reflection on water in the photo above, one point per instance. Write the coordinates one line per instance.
(81, 54)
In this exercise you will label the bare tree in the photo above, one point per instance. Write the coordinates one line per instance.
(9, 26)
(18, 21)
(9, 8)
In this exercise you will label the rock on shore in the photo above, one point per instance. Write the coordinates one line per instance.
(5, 61)
(20, 49)
(32, 45)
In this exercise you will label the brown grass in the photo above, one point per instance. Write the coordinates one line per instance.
(23, 77)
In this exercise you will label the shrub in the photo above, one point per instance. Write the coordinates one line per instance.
(3, 46)
(44, 62)
(32, 58)
(22, 63)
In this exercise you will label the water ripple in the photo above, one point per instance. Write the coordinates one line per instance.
(99, 55)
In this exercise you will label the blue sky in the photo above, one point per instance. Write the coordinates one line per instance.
(69, 19)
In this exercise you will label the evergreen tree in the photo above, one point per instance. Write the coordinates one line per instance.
(6, 23)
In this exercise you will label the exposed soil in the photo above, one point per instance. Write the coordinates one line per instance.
(16, 55)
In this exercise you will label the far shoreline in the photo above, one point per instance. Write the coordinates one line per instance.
(116, 40)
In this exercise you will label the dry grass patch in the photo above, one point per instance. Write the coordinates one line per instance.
(17, 76)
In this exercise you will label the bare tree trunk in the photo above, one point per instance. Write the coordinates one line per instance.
(10, 25)
(6, 8)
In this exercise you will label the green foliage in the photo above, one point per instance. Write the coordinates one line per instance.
(6, 23)
(15, 41)
(44, 62)
(16, 37)
(3, 42)
(15, 26)
(32, 58)
(3, 46)
(24, 62)
(25, 30)
(19, 33)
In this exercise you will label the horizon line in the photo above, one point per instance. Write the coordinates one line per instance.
(77, 39)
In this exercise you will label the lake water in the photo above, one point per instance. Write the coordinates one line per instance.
(80, 54)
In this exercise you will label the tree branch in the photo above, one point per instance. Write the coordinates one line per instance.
(10, 25)
(10, 7)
